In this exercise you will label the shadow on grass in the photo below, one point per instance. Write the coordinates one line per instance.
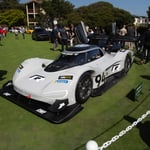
(146, 77)
(144, 129)
(131, 95)
(2, 74)
(138, 62)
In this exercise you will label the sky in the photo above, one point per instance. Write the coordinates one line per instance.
(135, 7)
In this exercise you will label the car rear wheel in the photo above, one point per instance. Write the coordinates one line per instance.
(84, 88)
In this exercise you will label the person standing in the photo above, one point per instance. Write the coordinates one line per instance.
(54, 36)
(146, 45)
(71, 34)
(132, 34)
(22, 30)
(123, 32)
(63, 36)
(16, 33)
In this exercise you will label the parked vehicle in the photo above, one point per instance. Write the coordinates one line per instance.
(40, 34)
(59, 86)
(29, 31)
(56, 89)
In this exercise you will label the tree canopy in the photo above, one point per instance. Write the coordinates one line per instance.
(10, 4)
(101, 14)
(57, 8)
(12, 17)
(12, 13)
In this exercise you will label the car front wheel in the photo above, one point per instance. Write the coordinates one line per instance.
(84, 88)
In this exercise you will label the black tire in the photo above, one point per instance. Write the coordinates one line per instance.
(127, 64)
(84, 88)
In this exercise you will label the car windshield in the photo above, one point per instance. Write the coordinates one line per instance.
(39, 29)
(66, 61)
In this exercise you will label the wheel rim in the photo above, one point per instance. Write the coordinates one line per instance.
(85, 89)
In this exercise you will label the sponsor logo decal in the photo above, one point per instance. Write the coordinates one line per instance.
(62, 81)
(37, 78)
(68, 77)
(115, 67)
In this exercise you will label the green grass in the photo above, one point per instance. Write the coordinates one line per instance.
(101, 118)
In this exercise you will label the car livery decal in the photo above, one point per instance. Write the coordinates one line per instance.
(68, 77)
(62, 81)
(114, 67)
(37, 78)
(99, 79)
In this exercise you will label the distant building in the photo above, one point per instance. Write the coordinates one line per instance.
(32, 10)
(140, 20)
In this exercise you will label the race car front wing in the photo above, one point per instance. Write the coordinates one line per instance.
(39, 108)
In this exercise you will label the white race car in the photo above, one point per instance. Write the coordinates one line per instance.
(55, 89)
(67, 82)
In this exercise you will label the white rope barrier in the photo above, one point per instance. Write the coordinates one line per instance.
(92, 145)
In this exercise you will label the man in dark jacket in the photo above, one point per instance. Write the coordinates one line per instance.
(146, 44)
(63, 36)
(54, 37)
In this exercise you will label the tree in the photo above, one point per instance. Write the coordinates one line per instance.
(12, 17)
(57, 9)
(123, 17)
(12, 12)
(9, 4)
(101, 14)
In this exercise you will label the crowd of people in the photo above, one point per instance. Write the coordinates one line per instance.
(141, 44)
(15, 30)
(65, 36)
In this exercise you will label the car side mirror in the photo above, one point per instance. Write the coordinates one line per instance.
(43, 65)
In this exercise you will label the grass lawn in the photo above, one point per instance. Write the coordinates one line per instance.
(101, 118)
